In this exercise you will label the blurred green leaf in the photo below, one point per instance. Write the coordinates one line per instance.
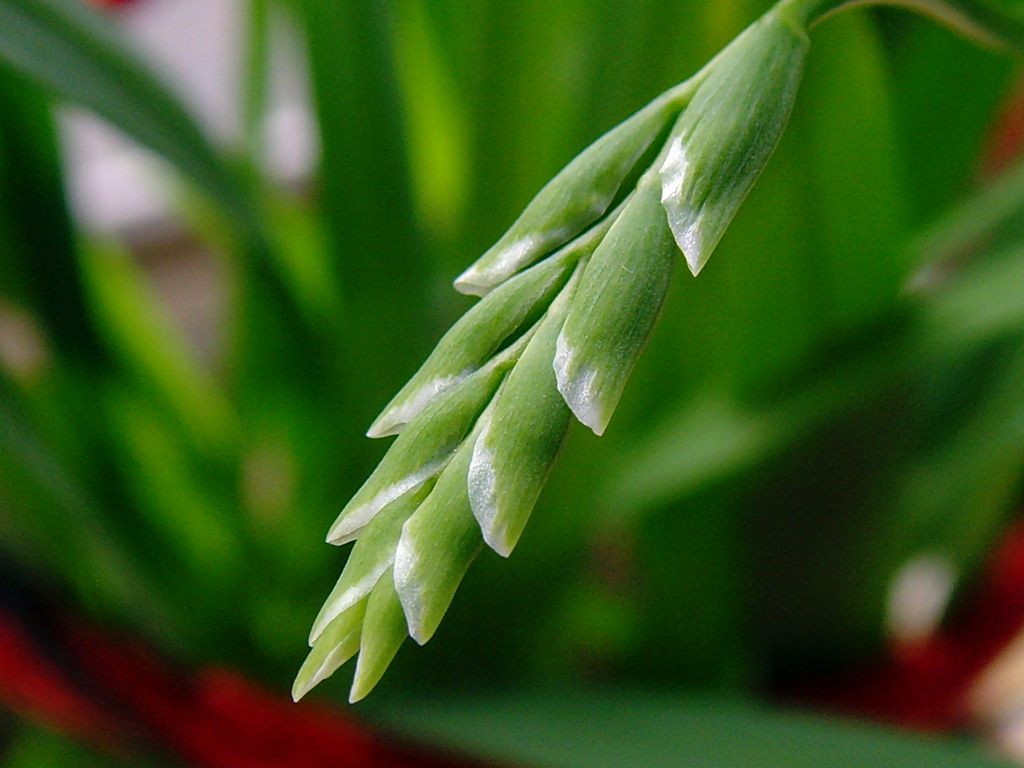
(991, 219)
(63, 521)
(713, 436)
(70, 50)
(367, 198)
(33, 747)
(615, 728)
(150, 349)
(946, 91)
(42, 258)
(856, 190)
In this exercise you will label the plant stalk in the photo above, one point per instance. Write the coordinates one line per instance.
(982, 20)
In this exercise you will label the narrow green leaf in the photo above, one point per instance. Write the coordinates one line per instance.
(570, 729)
(384, 630)
(934, 73)
(379, 261)
(982, 304)
(422, 450)
(89, 552)
(614, 310)
(372, 555)
(135, 326)
(482, 330)
(168, 489)
(848, 142)
(580, 194)
(338, 643)
(438, 544)
(726, 135)
(437, 123)
(70, 50)
(518, 444)
(39, 243)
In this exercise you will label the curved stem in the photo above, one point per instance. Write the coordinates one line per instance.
(982, 20)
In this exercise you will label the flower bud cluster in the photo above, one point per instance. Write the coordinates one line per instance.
(570, 295)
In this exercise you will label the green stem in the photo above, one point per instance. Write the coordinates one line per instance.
(991, 21)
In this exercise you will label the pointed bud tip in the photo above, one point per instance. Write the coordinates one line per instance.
(303, 684)
(481, 480)
(419, 633)
(684, 222)
(407, 589)
(499, 543)
(473, 283)
(578, 389)
(413, 610)
(688, 239)
(332, 609)
(359, 690)
(411, 401)
(341, 534)
(384, 426)
(356, 516)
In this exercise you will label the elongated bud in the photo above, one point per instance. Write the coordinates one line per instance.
(474, 338)
(723, 140)
(579, 195)
(370, 558)
(614, 309)
(338, 643)
(421, 451)
(383, 632)
(519, 442)
(437, 546)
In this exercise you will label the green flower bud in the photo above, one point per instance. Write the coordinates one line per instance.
(423, 449)
(338, 643)
(482, 330)
(438, 544)
(724, 138)
(519, 442)
(579, 195)
(383, 633)
(614, 309)
(370, 558)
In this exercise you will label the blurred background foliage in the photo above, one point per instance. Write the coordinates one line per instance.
(839, 397)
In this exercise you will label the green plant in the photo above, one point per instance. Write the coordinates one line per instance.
(837, 395)
(571, 293)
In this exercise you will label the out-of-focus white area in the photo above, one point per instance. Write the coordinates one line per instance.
(997, 696)
(198, 47)
(918, 597)
(996, 700)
